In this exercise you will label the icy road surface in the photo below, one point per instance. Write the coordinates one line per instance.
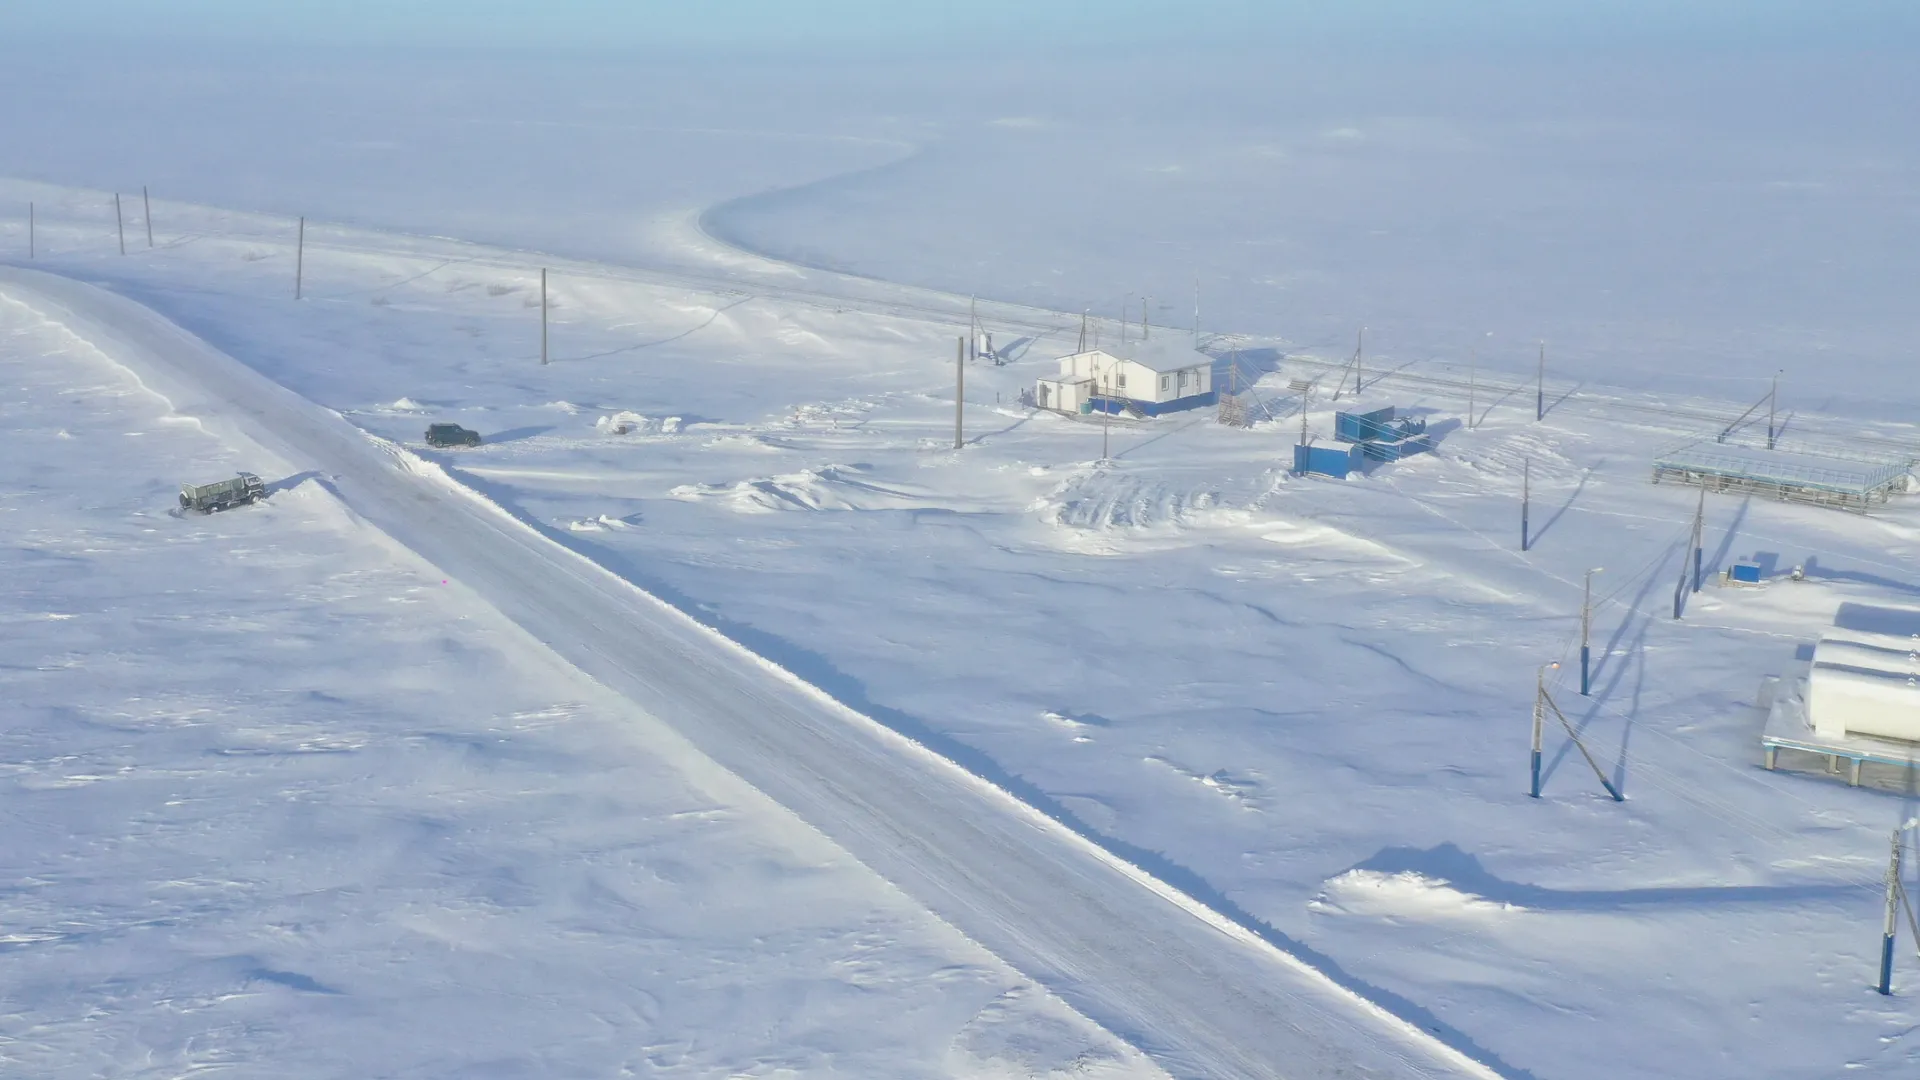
(1202, 995)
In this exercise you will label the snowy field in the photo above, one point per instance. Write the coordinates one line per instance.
(1302, 704)
(284, 802)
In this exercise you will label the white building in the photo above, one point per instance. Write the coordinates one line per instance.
(1865, 684)
(1150, 377)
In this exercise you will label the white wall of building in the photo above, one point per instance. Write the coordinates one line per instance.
(1132, 379)
(1863, 686)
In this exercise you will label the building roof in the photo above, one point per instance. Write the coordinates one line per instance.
(1157, 354)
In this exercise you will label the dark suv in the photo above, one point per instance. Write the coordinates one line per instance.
(451, 435)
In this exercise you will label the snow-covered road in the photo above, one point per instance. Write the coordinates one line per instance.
(1203, 995)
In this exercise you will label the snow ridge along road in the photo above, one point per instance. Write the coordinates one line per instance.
(1202, 992)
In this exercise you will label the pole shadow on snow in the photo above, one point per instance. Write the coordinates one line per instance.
(1463, 871)
(1557, 402)
(1726, 539)
(1565, 506)
(1815, 572)
(291, 482)
(1636, 662)
(517, 434)
(818, 671)
(1603, 658)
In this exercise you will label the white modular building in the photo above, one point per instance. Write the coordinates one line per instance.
(1865, 684)
(1146, 377)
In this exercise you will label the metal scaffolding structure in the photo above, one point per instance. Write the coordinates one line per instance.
(1848, 483)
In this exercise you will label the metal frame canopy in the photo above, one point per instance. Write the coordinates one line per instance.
(1796, 476)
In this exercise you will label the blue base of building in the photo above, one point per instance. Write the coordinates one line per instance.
(1334, 461)
(1117, 406)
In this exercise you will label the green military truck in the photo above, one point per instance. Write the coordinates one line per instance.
(223, 494)
(451, 435)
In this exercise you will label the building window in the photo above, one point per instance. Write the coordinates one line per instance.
(1166, 382)
(1121, 380)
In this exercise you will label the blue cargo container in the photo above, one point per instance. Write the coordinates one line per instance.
(1335, 461)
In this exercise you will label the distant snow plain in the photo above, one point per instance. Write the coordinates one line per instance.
(1303, 701)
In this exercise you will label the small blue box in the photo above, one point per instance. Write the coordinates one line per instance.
(1746, 573)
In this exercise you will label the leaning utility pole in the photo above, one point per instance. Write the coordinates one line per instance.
(119, 223)
(146, 209)
(299, 257)
(959, 390)
(1082, 347)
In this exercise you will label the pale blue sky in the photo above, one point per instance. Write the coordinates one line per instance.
(774, 23)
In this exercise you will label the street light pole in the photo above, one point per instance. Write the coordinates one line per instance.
(1586, 631)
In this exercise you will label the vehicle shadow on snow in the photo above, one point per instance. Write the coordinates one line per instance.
(820, 672)
(516, 434)
(1464, 872)
(291, 482)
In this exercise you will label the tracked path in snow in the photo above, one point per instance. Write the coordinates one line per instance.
(1203, 994)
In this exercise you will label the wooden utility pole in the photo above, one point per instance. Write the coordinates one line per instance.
(1680, 587)
(146, 210)
(1473, 381)
(543, 316)
(299, 257)
(1526, 499)
(1539, 722)
(959, 392)
(119, 223)
(1359, 353)
(1699, 537)
(1082, 347)
(1145, 332)
(1773, 397)
(1586, 632)
(1540, 387)
(1106, 426)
